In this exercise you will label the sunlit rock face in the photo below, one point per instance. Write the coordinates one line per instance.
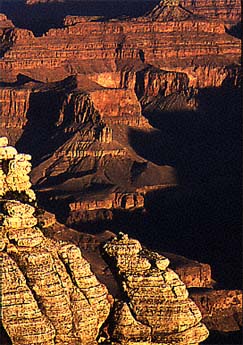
(156, 307)
(49, 294)
(89, 46)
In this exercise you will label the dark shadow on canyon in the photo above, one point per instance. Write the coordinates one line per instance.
(42, 135)
(21, 80)
(201, 218)
(235, 30)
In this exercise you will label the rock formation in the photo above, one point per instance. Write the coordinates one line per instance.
(50, 295)
(156, 308)
(221, 309)
(169, 10)
(154, 39)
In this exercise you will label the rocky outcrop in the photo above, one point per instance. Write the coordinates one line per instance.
(5, 22)
(14, 172)
(103, 206)
(49, 294)
(157, 309)
(221, 309)
(169, 10)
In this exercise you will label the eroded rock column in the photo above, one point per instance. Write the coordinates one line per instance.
(49, 293)
(156, 304)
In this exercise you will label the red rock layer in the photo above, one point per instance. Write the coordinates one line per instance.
(228, 10)
(5, 22)
(14, 104)
(86, 45)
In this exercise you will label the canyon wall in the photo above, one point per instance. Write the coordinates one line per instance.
(83, 85)
(179, 43)
(14, 105)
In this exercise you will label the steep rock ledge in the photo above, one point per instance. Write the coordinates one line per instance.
(56, 299)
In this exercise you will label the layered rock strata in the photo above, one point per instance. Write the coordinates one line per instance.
(96, 148)
(225, 10)
(49, 294)
(5, 22)
(154, 38)
(103, 206)
(156, 307)
(84, 120)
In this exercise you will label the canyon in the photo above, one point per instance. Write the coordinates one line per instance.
(132, 125)
(84, 86)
